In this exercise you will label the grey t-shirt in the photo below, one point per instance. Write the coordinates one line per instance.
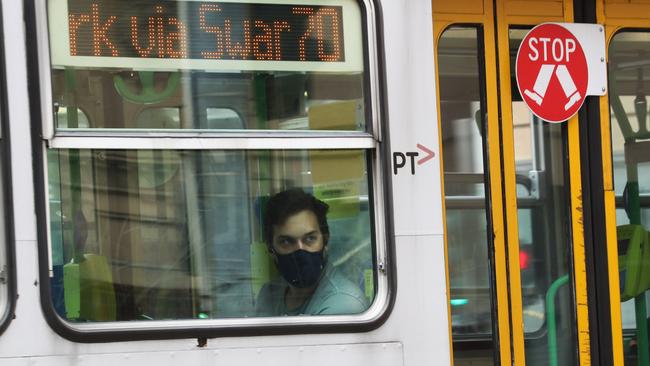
(335, 295)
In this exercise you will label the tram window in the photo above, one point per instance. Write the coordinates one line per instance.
(629, 80)
(172, 234)
(462, 123)
(541, 170)
(178, 235)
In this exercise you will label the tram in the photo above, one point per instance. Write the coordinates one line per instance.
(142, 142)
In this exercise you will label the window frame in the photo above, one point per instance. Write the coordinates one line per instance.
(45, 136)
(6, 190)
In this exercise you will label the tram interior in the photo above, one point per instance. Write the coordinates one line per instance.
(542, 200)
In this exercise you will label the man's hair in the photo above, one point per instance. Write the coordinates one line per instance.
(288, 203)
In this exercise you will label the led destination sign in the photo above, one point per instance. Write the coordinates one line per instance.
(187, 34)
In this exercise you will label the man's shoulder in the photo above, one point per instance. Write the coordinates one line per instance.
(337, 295)
(269, 298)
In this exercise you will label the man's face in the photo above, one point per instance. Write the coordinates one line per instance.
(299, 231)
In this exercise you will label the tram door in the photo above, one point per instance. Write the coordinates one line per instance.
(625, 139)
(514, 235)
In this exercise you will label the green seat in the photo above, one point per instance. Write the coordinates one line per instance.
(633, 260)
(88, 290)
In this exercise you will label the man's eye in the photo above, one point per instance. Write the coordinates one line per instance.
(310, 239)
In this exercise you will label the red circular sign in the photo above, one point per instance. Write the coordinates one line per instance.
(552, 72)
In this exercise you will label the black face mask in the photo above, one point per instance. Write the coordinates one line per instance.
(301, 268)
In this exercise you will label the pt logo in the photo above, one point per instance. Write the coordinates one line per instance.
(401, 159)
(552, 72)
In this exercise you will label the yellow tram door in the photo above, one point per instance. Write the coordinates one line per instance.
(513, 195)
(623, 142)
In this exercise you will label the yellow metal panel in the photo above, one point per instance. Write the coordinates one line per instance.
(612, 263)
(578, 235)
(625, 10)
(507, 146)
(579, 266)
(615, 15)
(445, 15)
(532, 13)
(457, 7)
(536, 8)
(606, 143)
(501, 268)
(639, 11)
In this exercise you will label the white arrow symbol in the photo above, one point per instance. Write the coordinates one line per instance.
(429, 156)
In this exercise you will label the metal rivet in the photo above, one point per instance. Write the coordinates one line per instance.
(603, 89)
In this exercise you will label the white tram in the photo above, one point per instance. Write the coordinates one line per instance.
(141, 141)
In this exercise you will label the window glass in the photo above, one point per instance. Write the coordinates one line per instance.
(545, 260)
(277, 66)
(462, 123)
(629, 80)
(155, 234)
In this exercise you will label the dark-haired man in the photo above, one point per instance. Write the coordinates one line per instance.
(297, 234)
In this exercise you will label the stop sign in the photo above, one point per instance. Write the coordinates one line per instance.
(552, 72)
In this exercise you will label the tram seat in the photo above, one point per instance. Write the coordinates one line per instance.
(633, 260)
(89, 291)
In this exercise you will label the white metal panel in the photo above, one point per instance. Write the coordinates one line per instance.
(19, 132)
(592, 41)
(422, 300)
(413, 118)
(376, 354)
(203, 143)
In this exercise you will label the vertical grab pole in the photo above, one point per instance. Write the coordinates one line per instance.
(550, 318)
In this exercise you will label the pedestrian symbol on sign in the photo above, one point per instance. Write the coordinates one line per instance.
(544, 78)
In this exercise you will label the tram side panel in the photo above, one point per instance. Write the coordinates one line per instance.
(416, 182)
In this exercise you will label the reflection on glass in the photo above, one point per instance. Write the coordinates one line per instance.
(467, 235)
(262, 100)
(629, 78)
(150, 234)
(276, 66)
(543, 201)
